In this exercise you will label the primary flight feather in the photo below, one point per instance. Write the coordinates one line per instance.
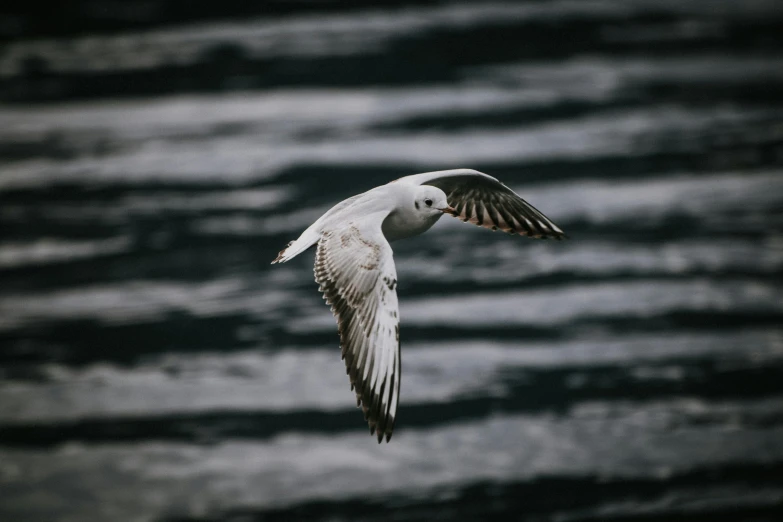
(354, 266)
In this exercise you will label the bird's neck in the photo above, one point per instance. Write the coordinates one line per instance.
(400, 224)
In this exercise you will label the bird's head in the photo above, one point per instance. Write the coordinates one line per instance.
(430, 200)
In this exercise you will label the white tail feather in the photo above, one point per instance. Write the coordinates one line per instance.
(308, 238)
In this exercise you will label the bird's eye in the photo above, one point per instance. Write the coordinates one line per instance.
(428, 202)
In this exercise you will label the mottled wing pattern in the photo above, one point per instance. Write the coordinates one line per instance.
(488, 203)
(355, 270)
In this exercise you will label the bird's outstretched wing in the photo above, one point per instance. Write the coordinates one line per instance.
(484, 201)
(355, 270)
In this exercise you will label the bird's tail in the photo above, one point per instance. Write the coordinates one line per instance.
(309, 237)
(294, 248)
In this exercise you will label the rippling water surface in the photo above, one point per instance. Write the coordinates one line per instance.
(155, 367)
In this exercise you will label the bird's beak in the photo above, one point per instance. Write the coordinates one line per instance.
(449, 210)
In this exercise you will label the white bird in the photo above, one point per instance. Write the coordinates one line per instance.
(355, 269)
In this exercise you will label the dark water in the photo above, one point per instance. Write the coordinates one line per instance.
(155, 367)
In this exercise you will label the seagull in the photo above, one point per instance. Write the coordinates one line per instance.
(354, 266)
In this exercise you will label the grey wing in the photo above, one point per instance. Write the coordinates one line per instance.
(484, 201)
(355, 270)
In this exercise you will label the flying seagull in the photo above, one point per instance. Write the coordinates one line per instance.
(354, 266)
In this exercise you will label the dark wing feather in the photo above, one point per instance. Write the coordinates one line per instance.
(355, 270)
(486, 202)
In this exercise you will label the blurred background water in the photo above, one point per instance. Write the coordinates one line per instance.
(155, 156)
